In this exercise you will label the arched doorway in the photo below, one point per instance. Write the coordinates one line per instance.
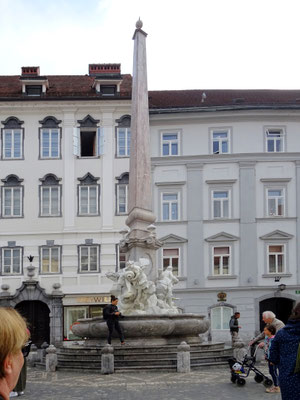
(37, 315)
(280, 306)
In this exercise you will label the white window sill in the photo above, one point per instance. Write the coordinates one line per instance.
(213, 277)
(273, 275)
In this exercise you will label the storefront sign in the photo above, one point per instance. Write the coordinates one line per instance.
(297, 291)
(93, 299)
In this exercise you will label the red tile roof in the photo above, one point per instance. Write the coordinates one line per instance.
(81, 87)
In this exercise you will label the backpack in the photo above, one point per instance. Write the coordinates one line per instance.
(105, 312)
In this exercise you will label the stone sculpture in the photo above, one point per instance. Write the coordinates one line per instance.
(138, 295)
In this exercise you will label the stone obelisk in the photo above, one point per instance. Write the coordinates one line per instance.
(140, 241)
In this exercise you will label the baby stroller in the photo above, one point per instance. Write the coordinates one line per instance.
(240, 370)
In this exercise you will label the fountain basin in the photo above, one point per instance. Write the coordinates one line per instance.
(146, 329)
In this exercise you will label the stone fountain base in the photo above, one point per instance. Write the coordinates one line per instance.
(146, 329)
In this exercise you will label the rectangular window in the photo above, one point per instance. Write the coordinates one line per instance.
(170, 207)
(88, 200)
(89, 260)
(123, 142)
(220, 317)
(33, 90)
(276, 259)
(170, 144)
(50, 143)
(12, 144)
(171, 258)
(276, 200)
(220, 207)
(122, 199)
(274, 140)
(11, 261)
(50, 260)
(108, 90)
(12, 202)
(221, 260)
(50, 201)
(220, 142)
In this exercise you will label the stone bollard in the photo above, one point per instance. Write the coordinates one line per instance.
(32, 356)
(51, 359)
(107, 360)
(183, 358)
(42, 351)
(239, 348)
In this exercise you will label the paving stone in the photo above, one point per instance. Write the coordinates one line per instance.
(208, 384)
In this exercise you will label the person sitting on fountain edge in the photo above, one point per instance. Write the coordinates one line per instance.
(111, 314)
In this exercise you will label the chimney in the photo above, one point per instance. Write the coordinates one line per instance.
(30, 71)
(103, 69)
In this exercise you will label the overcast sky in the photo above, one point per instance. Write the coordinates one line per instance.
(191, 44)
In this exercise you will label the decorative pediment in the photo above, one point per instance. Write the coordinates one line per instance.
(125, 121)
(88, 122)
(12, 180)
(50, 179)
(277, 235)
(123, 178)
(50, 122)
(88, 179)
(172, 239)
(12, 122)
(222, 237)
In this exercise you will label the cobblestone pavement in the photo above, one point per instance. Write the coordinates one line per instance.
(212, 383)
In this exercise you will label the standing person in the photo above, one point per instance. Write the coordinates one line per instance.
(112, 315)
(234, 326)
(269, 318)
(13, 336)
(21, 384)
(270, 331)
(284, 353)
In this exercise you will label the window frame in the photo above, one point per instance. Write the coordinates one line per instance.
(21, 249)
(221, 306)
(50, 129)
(54, 246)
(284, 253)
(228, 140)
(170, 142)
(169, 247)
(118, 185)
(89, 214)
(12, 187)
(283, 196)
(228, 190)
(118, 261)
(282, 129)
(79, 249)
(127, 145)
(13, 129)
(170, 192)
(229, 254)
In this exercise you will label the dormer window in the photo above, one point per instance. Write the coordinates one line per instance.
(32, 83)
(108, 90)
(34, 90)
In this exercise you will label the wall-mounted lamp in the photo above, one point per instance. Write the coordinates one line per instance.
(30, 258)
(282, 286)
(277, 278)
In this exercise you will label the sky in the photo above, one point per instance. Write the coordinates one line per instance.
(191, 44)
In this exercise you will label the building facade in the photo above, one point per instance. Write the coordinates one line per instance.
(226, 193)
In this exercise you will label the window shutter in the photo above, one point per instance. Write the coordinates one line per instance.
(76, 142)
(100, 141)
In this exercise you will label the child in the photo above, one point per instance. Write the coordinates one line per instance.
(269, 332)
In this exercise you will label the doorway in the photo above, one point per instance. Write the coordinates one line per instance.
(37, 316)
(281, 307)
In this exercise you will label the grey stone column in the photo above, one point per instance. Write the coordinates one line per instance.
(183, 358)
(248, 231)
(140, 241)
(107, 360)
(195, 259)
(298, 220)
(51, 359)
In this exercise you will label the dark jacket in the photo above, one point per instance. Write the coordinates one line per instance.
(234, 324)
(109, 313)
(283, 352)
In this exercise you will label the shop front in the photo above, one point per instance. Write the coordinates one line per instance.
(81, 306)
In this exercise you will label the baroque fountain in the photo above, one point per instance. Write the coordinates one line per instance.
(145, 292)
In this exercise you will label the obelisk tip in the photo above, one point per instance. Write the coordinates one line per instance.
(139, 24)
